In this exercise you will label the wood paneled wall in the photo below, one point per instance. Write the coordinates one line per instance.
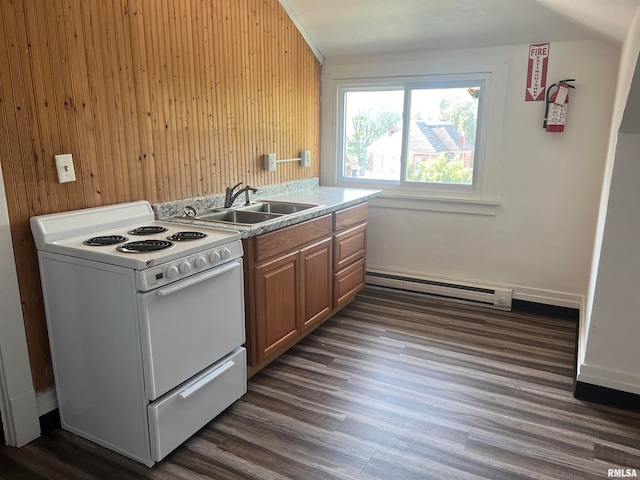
(156, 100)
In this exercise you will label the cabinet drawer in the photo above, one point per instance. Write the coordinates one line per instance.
(291, 238)
(349, 217)
(186, 409)
(349, 246)
(348, 282)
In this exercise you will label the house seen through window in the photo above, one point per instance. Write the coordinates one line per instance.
(410, 134)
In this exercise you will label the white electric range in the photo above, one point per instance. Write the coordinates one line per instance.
(145, 322)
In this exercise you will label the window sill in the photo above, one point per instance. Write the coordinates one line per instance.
(470, 206)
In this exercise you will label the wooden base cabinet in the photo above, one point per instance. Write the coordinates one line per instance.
(298, 276)
(288, 285)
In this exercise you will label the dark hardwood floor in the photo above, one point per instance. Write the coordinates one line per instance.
(393, 387)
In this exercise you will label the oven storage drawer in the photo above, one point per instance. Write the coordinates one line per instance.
(186, 409)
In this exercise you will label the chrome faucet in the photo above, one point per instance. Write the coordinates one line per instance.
(230, 197)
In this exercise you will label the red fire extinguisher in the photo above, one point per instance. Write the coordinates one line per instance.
(557, 105)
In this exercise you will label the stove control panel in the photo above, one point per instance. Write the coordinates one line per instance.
(169, 272)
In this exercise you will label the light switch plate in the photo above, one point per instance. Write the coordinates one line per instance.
(64, 166)
(270, 162)
(305, 158)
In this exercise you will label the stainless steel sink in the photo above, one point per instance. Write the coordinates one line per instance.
(238, 216)
(248, 215)
(284, 208)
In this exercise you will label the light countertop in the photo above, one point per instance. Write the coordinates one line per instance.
(328, 199)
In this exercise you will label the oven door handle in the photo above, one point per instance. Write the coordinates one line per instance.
(196, 279)
(207, 379)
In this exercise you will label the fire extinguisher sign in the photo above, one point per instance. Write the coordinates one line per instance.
(537, 72)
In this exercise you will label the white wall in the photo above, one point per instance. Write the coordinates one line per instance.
(611, 328)
(17, 395)
(611, 358)
(628, 57)
(540, 239)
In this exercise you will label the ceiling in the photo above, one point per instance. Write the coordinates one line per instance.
(347, 27)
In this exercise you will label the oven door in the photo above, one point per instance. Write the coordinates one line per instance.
(190, 324)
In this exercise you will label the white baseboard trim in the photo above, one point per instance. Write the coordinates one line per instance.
(582, 337)
(536, 295)
(46, 401)
(604, 377)
(22, 426)
(548, 297)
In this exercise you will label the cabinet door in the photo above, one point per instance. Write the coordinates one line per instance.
(316, 282)
(277, 303)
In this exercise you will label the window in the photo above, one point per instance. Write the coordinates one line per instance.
(421, 135)
(405, 173)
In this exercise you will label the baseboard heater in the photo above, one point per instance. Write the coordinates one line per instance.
(494, 297)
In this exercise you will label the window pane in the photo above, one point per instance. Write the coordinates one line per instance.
(442, 135)
(372, 142)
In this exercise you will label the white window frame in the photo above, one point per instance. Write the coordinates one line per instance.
(484, 197)
(408, 85)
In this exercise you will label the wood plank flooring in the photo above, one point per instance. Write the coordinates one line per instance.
(393, 387)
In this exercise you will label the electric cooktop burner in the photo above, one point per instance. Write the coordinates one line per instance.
(147, 230)
(184, 236)
(144, 246)
(105, 240)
